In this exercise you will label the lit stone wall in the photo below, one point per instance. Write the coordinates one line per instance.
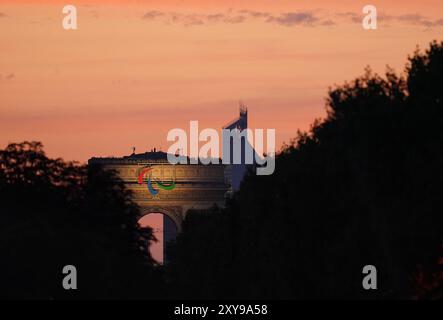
(197, 186)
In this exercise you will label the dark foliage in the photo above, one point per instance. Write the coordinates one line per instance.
(54, 214)
(364, 186)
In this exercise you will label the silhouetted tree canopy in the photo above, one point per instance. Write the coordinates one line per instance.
(362, 187)
(55, 213)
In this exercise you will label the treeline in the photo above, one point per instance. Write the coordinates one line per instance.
(362, 187)
(53, 214)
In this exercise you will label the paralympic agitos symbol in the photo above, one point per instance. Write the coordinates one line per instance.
(150, 183)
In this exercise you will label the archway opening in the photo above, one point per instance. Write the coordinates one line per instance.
(164, 229)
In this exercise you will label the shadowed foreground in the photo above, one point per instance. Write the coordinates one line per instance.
(362, 187)
(54, 214)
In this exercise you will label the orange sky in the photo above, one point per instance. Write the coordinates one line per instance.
(135, 69)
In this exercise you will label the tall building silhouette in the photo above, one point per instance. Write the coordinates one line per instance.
(235, 172)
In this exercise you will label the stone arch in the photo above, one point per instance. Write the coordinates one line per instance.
(166, 224)
(175, 214)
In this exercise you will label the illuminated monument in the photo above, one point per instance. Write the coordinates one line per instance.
(161, 188)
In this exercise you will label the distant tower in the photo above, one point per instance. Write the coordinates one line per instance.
(241, 122)
(236, 172)
(243, 119)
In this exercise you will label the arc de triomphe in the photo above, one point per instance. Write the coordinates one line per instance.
(161, 187)
(184, 186)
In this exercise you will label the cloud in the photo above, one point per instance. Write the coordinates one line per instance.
(410, 19)
(287, 19)
(255, 14)
(7, 77)
(328, 23)
(2, 15)
(294, 19)
(151, 15)
(194, 19)
(351, 16)
(230, 16)
(415, 19)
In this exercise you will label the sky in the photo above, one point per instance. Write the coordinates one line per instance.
(133, 70)
(156, 248)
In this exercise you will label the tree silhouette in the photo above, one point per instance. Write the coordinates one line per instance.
(362, 187)
(55, 213)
